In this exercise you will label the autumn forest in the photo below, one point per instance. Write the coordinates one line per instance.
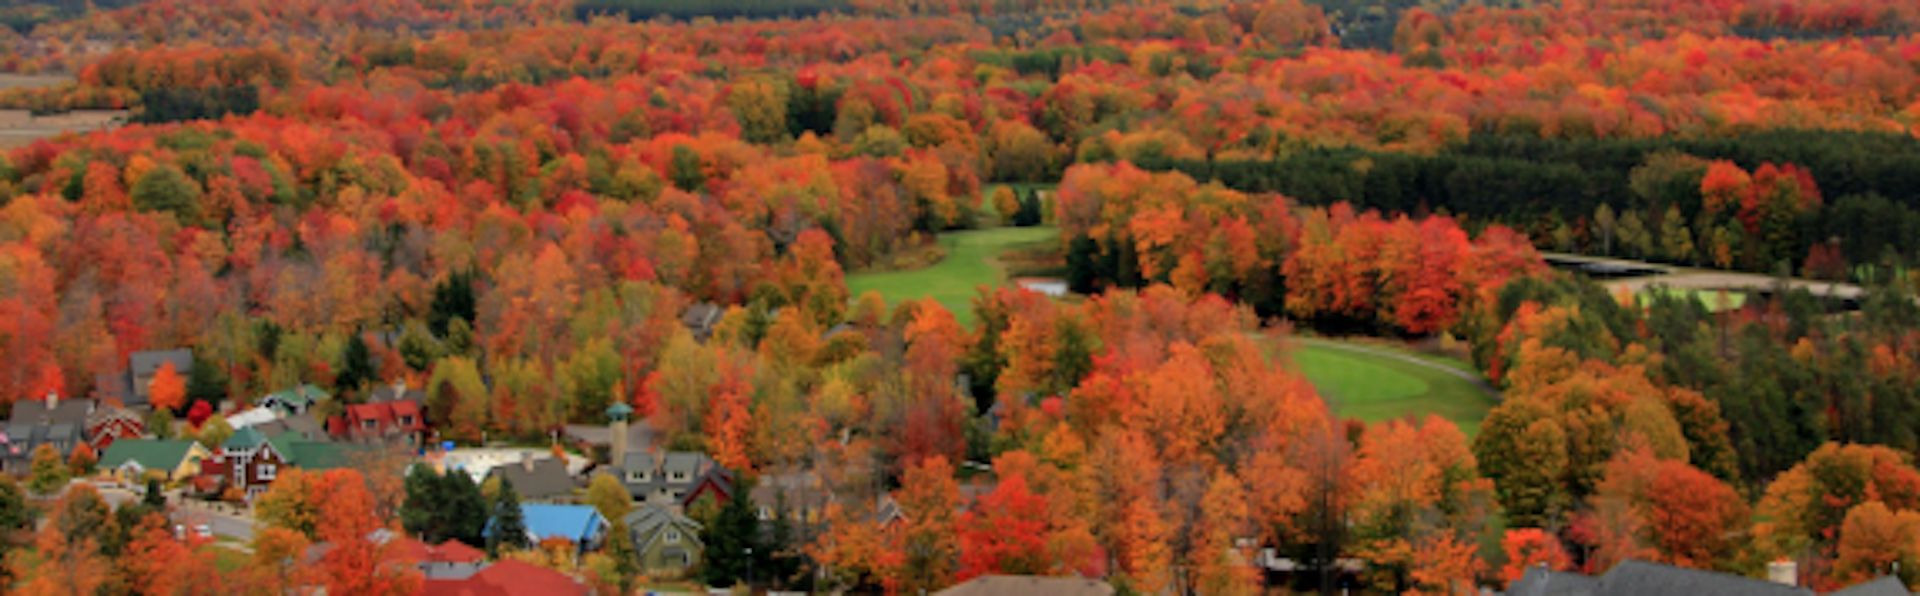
(1669, 243)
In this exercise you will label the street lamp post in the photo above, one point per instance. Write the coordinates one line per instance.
(749, 569)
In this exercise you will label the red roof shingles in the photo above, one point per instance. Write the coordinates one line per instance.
(387, 418)
(507, 578)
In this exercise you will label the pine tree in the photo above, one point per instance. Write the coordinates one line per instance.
(732, 540)
(509, 523)
(356, 367)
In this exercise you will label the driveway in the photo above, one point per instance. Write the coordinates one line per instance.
(224, 520)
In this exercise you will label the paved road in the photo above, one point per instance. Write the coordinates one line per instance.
(1476, 380)
(224, 524)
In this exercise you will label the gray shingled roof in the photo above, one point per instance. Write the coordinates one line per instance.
(648, 520)
(1641, 578)
(539, 480)
(1885, 585)
(1539, 581)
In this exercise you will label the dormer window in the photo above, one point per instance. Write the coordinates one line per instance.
(406, 421)
(369, 423)
(678, 476)
(673, 536)
(637, 476)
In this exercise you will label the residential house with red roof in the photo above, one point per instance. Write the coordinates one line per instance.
(507, 578)
(380, 422)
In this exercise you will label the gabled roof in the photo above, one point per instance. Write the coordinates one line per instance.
(112, 413)
(647, 522)
(537, 479)
(1028, 585)
(507, 578)
(1642, 578)
(151, 454)
(572, 522)
(454, 551)
(244, 439)
(64, 411)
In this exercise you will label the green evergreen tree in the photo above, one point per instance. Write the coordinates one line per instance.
(356, 366)
(509, 523)
(686, 170)
(452, 300)
(732, 541)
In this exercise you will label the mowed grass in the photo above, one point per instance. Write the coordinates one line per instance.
(1714, 300)
(1376, 387)
(972, 260)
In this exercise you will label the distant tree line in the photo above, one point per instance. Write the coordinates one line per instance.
(1871, 181)
(641, 10)
(180, 104)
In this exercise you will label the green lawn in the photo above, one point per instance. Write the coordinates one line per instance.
(1375, 387)
(1714, 300)
(971, 261)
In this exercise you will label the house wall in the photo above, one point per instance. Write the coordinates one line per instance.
(655, 561)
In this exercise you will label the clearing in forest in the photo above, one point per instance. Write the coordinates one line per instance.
(972, 260)
(1375, 383)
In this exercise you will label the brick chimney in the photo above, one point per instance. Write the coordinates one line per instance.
(1784, 572)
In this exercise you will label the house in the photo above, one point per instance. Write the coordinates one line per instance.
(141, 366)
(537, 479)
(701, 318)
(109, 423)
(129, 460)
(293, 401)
(580, 524)
(452, 559)
(888, 514)
(52, 421)
(667, 541)
(802, 495)
(250, 461)
(680, 475)
(1642, 578)
(506, 578)
(385, 421)
(1028, 585)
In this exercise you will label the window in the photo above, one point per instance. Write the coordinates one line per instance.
(267, 471)
(673, 536)
(678, 476)
(406, 421)
(633, 477)
(765, 513)
(369, 423)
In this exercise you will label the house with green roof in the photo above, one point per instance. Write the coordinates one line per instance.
(250, 461)
(130, 460)
(293, 401)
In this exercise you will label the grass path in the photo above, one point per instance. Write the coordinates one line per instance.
(971, 261)
(1377, 383)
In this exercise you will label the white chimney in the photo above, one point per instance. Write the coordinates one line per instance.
(53, 400)
(1783, 572)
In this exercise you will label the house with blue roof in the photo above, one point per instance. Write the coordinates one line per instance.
(581, 524)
